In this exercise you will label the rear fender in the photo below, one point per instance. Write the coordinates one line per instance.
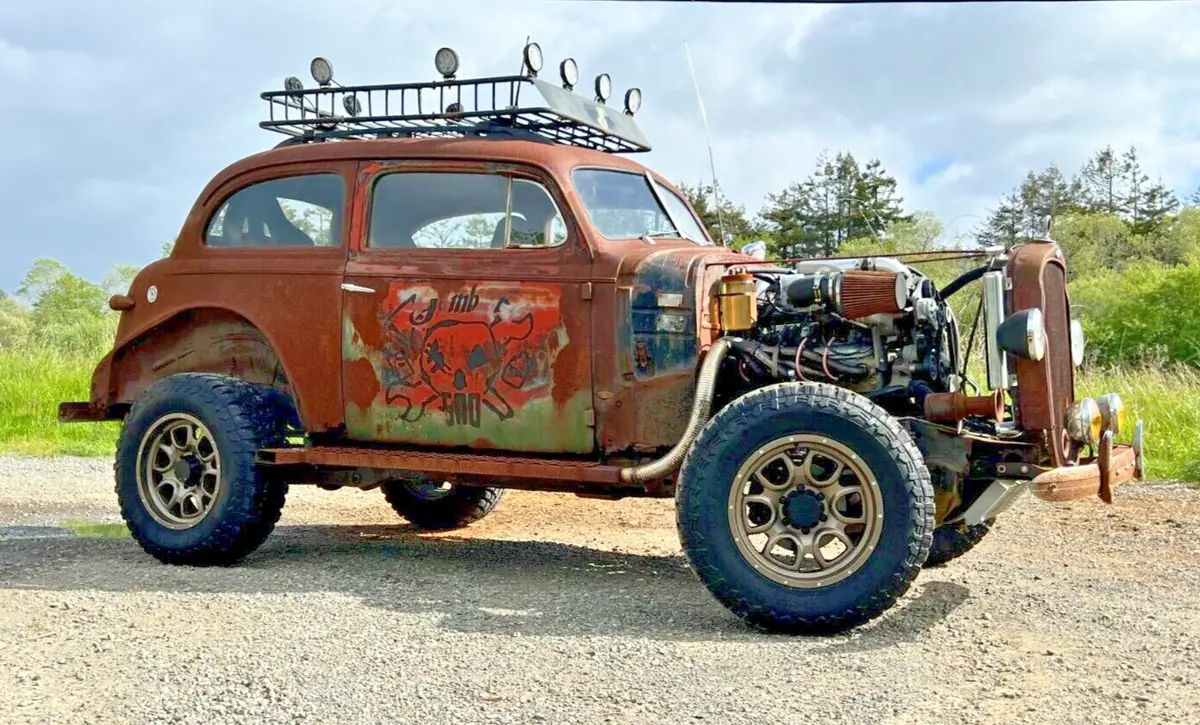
(208, 340)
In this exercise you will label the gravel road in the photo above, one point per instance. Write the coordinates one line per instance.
(563, 610)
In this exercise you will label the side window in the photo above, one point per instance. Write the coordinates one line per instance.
(298, 211)
(462, 211)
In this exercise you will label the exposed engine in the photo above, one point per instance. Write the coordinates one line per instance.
(875, 326)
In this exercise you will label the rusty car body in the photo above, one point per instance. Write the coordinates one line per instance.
(596, 359)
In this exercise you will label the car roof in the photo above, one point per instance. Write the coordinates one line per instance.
(558, 159)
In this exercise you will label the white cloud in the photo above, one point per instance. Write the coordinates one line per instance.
(153, 98)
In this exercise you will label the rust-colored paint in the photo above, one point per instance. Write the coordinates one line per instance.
(1071, 483)
(1046, 387)
(953, 407)
(289, 297)
(446, 463)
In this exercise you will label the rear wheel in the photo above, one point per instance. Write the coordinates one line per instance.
(440, 505)
(805, 508)
(187, 482)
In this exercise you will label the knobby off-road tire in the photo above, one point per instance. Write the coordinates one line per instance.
(199, 501)
(839, 423)
(953, 540)
(430, 508)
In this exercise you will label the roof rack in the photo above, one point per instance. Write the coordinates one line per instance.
(520, 106)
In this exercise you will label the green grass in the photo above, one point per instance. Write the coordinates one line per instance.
(94, 529)
(31, 386)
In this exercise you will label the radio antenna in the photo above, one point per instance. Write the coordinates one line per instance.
(712, 165)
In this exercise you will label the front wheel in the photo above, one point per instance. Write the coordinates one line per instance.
(805, 508)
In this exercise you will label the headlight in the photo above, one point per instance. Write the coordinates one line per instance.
(1023, 334)
(633, 100)
(569, 70)
(445, 60)
(1112, 411)
(1084, 421)
(533, 58)
(322, 71)
(603, 87)
(1078, 342)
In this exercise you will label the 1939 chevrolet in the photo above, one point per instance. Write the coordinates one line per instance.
(449, 288)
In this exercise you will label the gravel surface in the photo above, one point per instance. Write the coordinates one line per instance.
(562, 610)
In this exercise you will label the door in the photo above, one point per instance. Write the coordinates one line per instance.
(464, 315)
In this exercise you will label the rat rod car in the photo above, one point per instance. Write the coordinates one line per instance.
(450, 288)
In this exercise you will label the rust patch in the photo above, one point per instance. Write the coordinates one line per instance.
(362, 386)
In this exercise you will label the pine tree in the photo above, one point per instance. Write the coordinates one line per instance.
(731, 216)
(1100, 181)
(1157, 204)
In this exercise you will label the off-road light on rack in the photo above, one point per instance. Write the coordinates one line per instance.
(633, 100)
(569, 70)
(603, 87)
(446, 62)
(322, 71)
(352, 105)
(292, 84)
(533, 58)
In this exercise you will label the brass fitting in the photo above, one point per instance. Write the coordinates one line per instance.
(738, 302)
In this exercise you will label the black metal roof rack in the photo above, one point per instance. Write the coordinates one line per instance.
(521, 106)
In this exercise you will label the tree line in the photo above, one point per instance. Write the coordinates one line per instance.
(1109, 212)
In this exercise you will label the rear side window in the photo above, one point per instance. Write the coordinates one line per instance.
(462, 211)
(298, 211)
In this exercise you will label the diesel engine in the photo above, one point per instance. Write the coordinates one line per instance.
(875, 326)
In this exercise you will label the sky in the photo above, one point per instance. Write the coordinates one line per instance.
(116, 114)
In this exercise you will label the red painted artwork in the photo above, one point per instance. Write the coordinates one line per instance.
(480, 348)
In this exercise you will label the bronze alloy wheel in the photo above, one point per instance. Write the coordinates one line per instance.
(805, 511)
(178, 471)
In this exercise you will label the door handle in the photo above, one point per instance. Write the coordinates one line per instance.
(356, 288)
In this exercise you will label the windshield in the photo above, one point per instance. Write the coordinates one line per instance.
(622, 205)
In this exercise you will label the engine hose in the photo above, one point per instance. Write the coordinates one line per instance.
(963, 280)
(706, 383)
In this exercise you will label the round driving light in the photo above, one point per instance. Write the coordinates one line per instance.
(1078, 342)
(322, 71)
(1084, 421)
(633, 100)
(352, 105)
(533, 58)
(1023, 334)
(603, 87)
(445, 60)
(1112, 411)
(569, 70)
(292, 84)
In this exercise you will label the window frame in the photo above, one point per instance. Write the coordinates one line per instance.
(340, 226)
(510, 172)
(654, 182)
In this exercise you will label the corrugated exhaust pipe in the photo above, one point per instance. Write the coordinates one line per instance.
(706, 383)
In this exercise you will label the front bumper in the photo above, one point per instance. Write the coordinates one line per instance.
(1112, 466)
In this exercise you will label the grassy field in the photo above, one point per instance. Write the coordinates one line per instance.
(31, 386)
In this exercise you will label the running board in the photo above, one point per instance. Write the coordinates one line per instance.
(466, 464)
